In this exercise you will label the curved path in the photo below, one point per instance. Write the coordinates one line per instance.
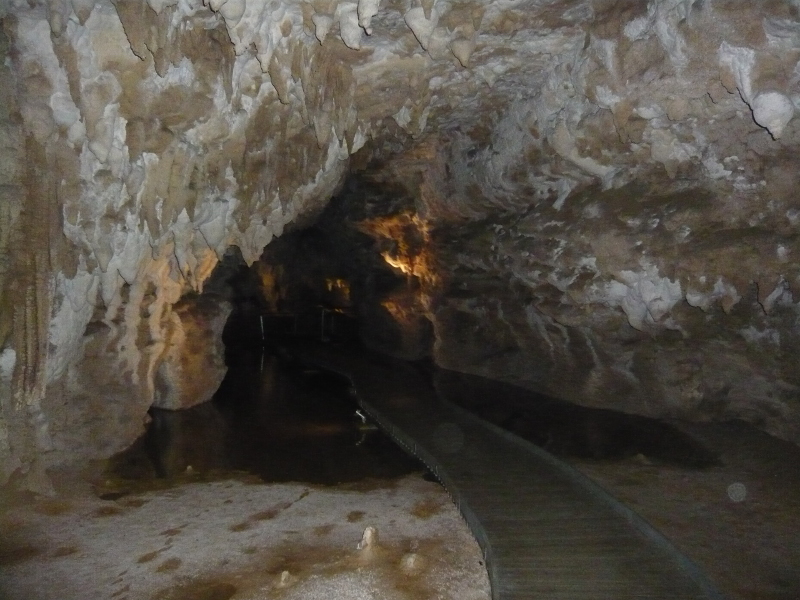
(546, 531)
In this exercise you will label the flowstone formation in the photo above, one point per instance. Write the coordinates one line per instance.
(604, 192)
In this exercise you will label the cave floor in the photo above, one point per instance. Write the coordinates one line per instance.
(242, 539)
(738, 520)
(235, 536)
(726, 494)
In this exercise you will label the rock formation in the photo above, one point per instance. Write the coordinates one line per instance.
(600, 195)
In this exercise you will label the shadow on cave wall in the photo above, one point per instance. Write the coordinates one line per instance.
(239, 284)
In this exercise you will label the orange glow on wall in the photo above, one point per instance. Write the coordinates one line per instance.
(398, 311)
(270, 277)
(409, 236)
(340, 287)
(398, 263)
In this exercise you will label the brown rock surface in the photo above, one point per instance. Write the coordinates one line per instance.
(194, 363)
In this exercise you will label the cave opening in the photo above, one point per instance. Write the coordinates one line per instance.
(340, 279)
(363, 275)
(359, 276)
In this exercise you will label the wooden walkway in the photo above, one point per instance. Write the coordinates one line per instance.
(546, 531)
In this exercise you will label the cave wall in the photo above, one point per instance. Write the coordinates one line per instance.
(638, 249)
(139, 143)
(604, 191)
(622, 235)
(625, 234)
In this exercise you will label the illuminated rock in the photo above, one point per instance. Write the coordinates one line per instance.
(369, 540)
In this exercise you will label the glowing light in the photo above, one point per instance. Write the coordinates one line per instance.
(410, 237)
(398, 311)
(337, 284)
(339, 287)
(398, 263)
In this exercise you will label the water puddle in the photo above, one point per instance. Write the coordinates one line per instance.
(272, 419)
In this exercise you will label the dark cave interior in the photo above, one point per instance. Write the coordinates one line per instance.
(342, 281)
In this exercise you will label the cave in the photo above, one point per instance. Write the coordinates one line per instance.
(574, 223)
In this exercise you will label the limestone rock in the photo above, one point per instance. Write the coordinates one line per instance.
(322, 25)
(607, 193)
(421, 24)
(412, 563)
(773, 111)
(366, 10)
(369, 540)
(193, 365)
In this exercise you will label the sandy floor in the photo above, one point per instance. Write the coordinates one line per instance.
(242, 539)
(739, 521)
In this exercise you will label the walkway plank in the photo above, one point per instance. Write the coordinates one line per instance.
(546, 531)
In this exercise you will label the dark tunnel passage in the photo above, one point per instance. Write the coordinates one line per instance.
(337, 282)
(326, 283)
